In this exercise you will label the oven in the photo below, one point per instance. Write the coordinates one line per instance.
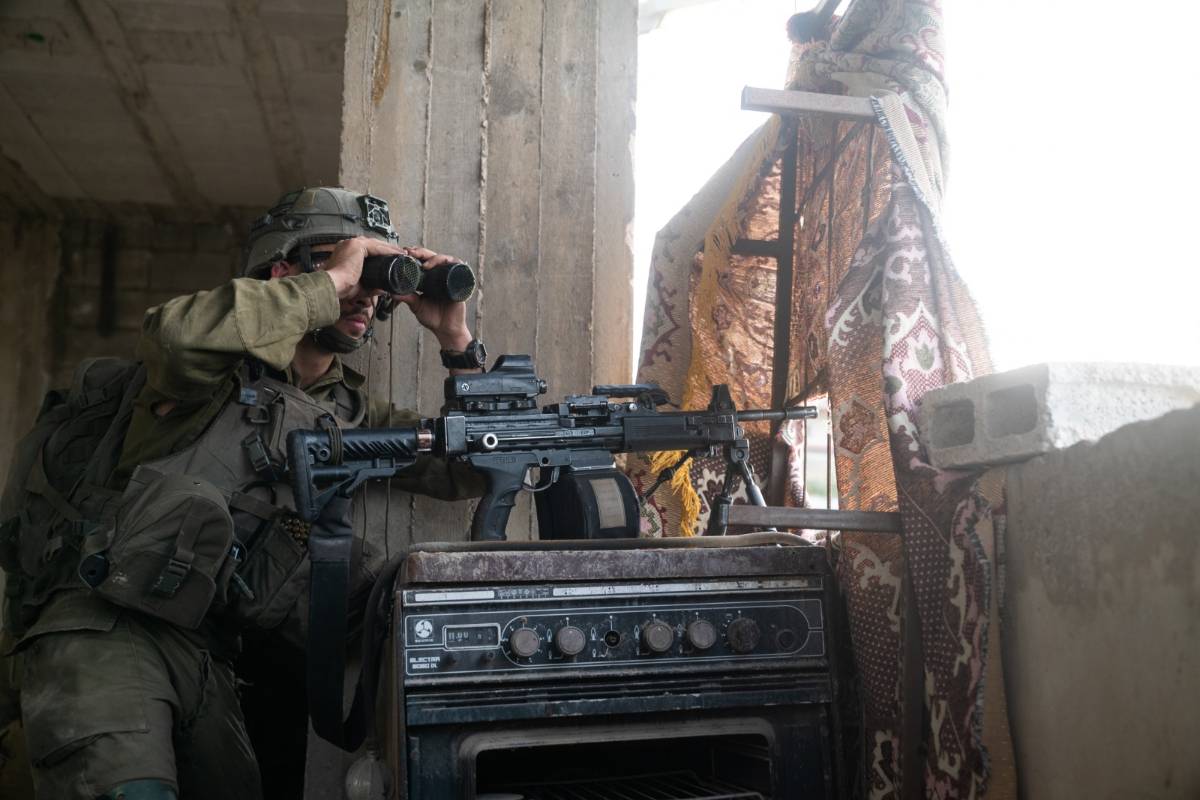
(615, 670)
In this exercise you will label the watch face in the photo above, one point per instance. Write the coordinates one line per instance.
(477, 351)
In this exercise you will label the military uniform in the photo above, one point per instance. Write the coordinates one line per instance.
(110, 695)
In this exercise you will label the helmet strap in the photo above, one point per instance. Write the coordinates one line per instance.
(304, 254)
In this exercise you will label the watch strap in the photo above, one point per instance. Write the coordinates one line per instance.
(471, 358)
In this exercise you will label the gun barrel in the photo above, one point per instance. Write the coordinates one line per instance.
(759, 414)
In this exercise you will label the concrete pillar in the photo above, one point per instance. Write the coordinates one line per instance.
(500, 132)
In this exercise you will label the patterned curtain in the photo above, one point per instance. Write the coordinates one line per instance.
(879, 317)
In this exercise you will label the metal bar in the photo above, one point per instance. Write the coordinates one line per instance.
(621, 793)
(818, 518)
(815, 385)
(784, 274)
(781, 355)
(757, 247)
(819, 177)
(790, 101)
(830, 238)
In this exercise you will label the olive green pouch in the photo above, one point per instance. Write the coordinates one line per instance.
(168, 554)
(275, 573)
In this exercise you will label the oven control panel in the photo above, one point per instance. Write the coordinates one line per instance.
(474, 632)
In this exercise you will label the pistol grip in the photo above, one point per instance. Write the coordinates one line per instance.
(504, 473)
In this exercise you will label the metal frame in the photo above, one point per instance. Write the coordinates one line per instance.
(790, 103)
(817, 518)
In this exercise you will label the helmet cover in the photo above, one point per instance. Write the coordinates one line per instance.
(315, 215)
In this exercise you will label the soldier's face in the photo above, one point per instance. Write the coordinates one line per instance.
(357, 310)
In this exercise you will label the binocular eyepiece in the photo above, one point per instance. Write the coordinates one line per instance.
(445, 283)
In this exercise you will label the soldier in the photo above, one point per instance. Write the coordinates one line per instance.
(128, 690)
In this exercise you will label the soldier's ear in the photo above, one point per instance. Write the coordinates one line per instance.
(282, 269)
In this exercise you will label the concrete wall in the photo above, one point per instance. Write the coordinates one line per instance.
(1101, 628)
(28, 279)
(76, 288)
(152, 260)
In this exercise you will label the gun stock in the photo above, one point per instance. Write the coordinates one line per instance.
(341, 461)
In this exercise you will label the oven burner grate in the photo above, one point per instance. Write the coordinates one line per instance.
(659, 786)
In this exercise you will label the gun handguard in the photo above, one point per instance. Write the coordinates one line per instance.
(344, 460)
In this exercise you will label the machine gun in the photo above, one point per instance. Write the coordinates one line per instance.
(492, 422)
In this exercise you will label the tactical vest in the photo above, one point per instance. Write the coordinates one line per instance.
(176, 552)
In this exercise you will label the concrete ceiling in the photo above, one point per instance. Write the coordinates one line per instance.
(193, 104)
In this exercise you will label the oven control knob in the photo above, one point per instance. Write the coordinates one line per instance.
(569, 640)
(524, 642)
(657, 636)
(743, 635)
(701, 634)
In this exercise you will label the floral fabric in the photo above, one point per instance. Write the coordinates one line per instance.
(879, 317)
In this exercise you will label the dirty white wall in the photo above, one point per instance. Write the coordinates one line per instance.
(1102, 614)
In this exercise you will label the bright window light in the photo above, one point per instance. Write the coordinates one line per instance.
(1072, 180)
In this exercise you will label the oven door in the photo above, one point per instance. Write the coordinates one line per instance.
(773, 753)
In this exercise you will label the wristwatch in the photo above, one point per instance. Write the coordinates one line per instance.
(474, 357)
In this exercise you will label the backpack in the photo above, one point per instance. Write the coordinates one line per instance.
(55, 494)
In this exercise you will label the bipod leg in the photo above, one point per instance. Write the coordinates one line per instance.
(718, 517)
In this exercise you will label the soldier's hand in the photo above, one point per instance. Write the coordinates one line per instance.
(346, 263)
(447, 321)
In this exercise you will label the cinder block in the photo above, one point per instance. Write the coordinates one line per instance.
(1013, 416)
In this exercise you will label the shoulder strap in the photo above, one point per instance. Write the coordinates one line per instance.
(329, 548)
(108, 452)
(99, 379)
(38, 483)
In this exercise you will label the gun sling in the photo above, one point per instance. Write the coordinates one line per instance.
(329, 547)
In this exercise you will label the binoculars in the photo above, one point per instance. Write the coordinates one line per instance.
(445, 283)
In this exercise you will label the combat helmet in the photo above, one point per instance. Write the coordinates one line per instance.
(311, 216)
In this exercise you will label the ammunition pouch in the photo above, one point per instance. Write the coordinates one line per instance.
(170, 553)
(275, 571)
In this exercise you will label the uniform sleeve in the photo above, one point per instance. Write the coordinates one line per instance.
(191, 344)
(429, 475)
